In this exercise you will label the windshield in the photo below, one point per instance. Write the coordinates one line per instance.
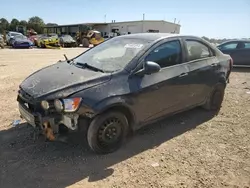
(20, 37)
(16, 34)
(114, 54)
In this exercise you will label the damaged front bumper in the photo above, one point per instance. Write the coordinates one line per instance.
(49, 124)
(52, 45)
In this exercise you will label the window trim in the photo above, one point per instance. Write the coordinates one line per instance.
(228, 43)
(212, 53)
(246, 42)
(141, 60)
(162, 68)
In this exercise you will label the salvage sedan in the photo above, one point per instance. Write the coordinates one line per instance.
(67, 41)
(21, 41)
(48, 41)
(123, 84)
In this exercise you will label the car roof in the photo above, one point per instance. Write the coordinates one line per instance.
(235, 40)
(156, 36)
(15, 32)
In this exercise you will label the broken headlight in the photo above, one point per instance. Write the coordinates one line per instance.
(67, 105)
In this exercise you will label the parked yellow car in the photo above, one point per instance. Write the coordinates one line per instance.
(48, 41)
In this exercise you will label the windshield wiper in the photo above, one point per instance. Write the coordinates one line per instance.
(90, 67)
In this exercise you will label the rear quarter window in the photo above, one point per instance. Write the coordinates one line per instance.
(229, 46)
(247, 45)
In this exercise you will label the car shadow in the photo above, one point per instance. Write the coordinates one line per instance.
(25, 162)
(241, 69)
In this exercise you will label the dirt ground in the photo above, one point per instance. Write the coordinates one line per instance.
(192, 149)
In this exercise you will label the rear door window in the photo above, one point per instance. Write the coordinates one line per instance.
(229, 46)
(247, 45)
(197, 50)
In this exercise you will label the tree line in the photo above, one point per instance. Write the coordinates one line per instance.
(38, 24)
(34, 22)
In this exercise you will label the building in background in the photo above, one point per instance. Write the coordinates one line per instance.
(127, 27)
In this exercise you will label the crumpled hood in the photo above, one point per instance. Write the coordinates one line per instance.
(61, 80)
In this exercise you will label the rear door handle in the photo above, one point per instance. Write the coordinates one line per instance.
(183, 74)
(214, 64)
(156, 87)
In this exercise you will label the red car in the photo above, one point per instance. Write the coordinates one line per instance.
(32, 36)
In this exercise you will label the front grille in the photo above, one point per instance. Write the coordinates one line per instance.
(34, 106)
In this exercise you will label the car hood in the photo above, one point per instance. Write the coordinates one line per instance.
(61, 80)
(66, 40)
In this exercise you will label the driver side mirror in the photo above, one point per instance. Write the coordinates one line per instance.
(149, 67)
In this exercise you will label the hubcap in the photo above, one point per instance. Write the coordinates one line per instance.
(110, 132)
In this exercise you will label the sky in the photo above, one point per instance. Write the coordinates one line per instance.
(211, 18)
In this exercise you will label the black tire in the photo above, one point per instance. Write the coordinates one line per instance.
(42, 45)
(104, 128)
(85, 43)
(215, 98)
(10, 42)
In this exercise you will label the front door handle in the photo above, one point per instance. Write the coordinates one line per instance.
(183, 74)
(214, 64)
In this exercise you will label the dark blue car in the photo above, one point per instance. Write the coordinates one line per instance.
(239, 50)
(21, 41)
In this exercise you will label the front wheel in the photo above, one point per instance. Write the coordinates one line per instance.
(42, 45)
(215, 98)
(107, 132)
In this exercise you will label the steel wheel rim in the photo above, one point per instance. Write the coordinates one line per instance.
(110, 132)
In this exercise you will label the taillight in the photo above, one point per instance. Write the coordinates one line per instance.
(231, 62)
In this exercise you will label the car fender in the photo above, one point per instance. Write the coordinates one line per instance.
(117, 103)
(110, 102)
(222, 78)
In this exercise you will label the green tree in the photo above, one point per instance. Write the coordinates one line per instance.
(4, 25)
(14, 22)
(23, 23)
(36, 23)
(51, 24)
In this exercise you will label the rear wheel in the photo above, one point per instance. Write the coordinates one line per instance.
(107, 132)
(215, 98)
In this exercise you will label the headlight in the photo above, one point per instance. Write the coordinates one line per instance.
(45, 105)
(67, 105)
(58, 105)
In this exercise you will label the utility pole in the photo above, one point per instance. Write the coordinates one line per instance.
(105, 18)
(143, 18)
